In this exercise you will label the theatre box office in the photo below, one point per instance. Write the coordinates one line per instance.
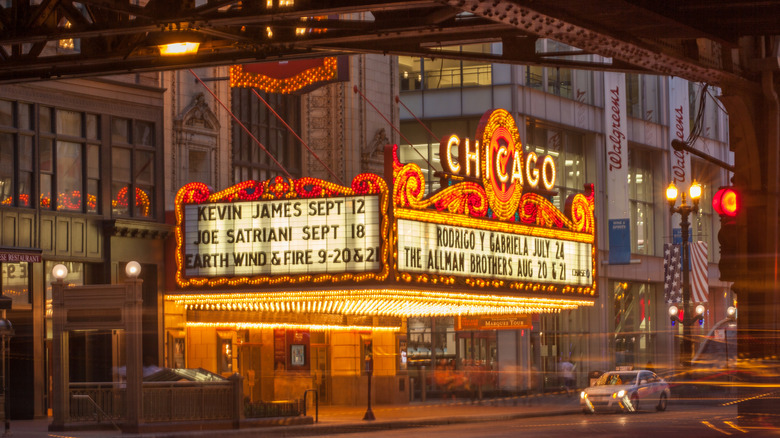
(303, 284)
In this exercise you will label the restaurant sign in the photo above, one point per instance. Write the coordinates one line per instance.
(19, 255)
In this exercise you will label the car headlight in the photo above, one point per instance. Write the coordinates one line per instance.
(583, 395)
(621, 393)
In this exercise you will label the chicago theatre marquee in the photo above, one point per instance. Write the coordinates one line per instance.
(299, 284)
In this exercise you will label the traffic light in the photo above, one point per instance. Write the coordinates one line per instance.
(727, 204)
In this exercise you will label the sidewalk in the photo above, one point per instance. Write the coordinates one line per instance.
(348, 419)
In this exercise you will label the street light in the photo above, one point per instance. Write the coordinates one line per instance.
(133, 269)
(688, 317)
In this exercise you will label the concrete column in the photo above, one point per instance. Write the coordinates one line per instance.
(133, 338)
(60, 372)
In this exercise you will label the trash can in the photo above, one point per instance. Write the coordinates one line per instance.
(593, 376)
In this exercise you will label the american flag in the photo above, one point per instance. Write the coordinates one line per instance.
(672, 273)
(699, 271)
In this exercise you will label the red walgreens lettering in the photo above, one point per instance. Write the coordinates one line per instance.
(616, 137)
(678, 163)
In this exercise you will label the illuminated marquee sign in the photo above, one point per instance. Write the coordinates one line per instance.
(281, 231)
(502, 233)
(483, 253)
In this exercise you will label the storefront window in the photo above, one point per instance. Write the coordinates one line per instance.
(641, 199)
(634, 322)
(16, 284)
(420, 346)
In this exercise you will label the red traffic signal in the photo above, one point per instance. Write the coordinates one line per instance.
(726, 202)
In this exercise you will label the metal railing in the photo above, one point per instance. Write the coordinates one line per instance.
(96, 401)
(182, 401)
(99, 412)
(162, 401)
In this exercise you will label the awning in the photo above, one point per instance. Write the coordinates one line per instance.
(394, 302)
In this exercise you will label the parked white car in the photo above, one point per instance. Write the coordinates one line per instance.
(625, 391)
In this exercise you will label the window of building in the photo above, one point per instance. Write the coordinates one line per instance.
(63, 154)
(642, 97)
(69, 161)
(564, 82)
(250, 161)
(133, 168)
(567, 150)
(7, 166)
(634, 319)
(15, 281)
(534, 77)
(431, 74)
(641, 201)
(433, 339)
(425, 149)
(16, 154)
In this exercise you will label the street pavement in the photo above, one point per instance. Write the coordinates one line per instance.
(349, 419)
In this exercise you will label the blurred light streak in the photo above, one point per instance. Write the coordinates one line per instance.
(711, 426)
(731, 424)
(749, 398)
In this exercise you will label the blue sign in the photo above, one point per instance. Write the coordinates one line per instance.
(619, 242)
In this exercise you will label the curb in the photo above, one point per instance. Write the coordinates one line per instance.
(318, 429)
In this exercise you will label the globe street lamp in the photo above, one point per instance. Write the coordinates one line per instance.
(688, 317)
